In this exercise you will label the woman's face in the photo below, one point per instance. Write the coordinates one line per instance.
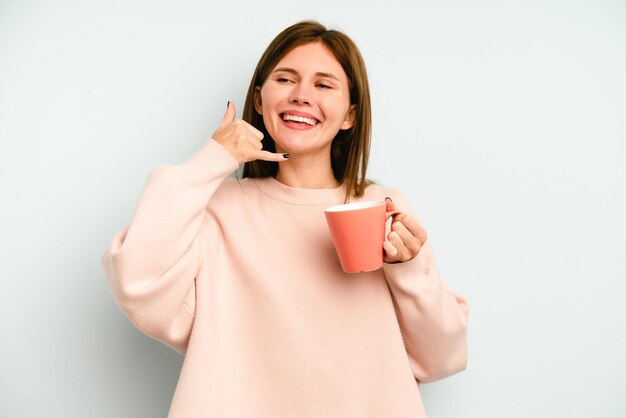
(305, 101)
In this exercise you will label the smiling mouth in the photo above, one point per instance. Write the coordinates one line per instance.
(299, 120)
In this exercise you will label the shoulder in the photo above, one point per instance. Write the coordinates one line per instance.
(231, 189)
(231, 184)
(375, 191)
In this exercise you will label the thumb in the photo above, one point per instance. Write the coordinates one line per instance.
(390, 205)
(230, 114)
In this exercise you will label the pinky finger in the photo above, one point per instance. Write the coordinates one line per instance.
(271, 156)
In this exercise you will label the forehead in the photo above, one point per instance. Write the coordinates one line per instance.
(311, 58)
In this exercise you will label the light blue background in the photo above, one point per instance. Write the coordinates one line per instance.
(504, 122)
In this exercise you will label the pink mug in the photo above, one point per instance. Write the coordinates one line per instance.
(358, 231)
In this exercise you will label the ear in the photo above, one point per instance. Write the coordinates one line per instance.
(258, 104)
(350, 118)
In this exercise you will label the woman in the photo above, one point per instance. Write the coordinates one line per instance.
(242, 277)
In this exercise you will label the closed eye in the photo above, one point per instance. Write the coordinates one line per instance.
(286, 80)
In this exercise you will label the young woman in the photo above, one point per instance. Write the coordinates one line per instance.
(241, 276)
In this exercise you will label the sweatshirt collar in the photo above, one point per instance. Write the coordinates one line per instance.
(300, 196)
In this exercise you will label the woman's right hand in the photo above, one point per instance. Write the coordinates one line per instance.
(243, 140)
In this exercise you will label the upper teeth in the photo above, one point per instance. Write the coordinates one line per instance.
(299, 119)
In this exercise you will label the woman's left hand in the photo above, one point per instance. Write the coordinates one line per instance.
(405, 238)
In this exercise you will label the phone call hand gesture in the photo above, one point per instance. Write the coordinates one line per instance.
(243, 140)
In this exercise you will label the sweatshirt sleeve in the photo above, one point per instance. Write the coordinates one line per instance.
(151, 264)
(432, 317)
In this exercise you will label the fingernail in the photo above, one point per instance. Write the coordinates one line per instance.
(388, 198)
(227, 104)
(286, 155)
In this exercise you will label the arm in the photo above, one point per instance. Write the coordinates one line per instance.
(151, 265)
(432, 317)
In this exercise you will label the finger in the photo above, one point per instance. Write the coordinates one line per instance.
(414, 227)
(271, 156)
(411, 242)
(255, 142)
(258, 134)
(403, 252)
(390, 250)
(230, 114)
(390, 205)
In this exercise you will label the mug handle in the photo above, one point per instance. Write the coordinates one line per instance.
(390, 213)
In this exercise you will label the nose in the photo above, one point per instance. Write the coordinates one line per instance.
(300, 94)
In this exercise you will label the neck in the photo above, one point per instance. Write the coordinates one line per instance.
(307, 172)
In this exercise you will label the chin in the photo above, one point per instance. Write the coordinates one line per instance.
(293, 145)
(299, 145)
(298, 148)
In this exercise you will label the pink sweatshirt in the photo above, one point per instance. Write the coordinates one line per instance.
(242, 278)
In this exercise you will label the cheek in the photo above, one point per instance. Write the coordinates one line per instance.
(270, 118)
(336, 109)
(270, 98)
(338, 104)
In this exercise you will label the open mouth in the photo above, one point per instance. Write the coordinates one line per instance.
(298, 120)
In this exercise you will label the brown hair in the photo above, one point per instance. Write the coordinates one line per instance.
(350, 148)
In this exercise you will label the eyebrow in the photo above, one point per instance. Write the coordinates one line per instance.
(292, 71)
